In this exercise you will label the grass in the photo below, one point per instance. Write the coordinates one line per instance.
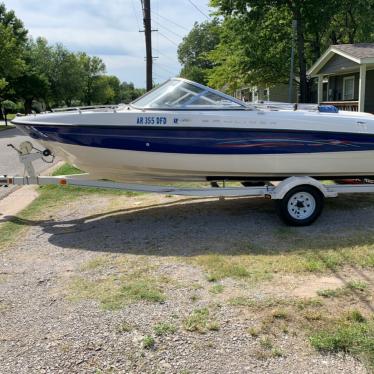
(348, 289)
(124, 327)
(200, 321)
(353, 334)
(330, 292)
(280, 314)
(241, 301)
(260, 265)
(96, 263)
(148, 342)
(330, 327)
(216, 289)
(223, 266)
(3, 127)
(164, 328)
(113, 293)
(357, 285)
(11, 116)
(253, 331)
(276, 305)
(271, 350)
(266, 342)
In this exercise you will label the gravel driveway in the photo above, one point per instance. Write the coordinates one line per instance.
(45, 329)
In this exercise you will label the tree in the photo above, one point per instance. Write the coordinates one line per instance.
(192, 52)
(93, 68)
(261, 33)
(13, 38)
(353, 22)
(14, 24)
(11, 62)
(6, 106)
(67, 78)
(129, 93)
(269, 33)
(252, 51)
(34, 83)
(115, 85)
(105, 90)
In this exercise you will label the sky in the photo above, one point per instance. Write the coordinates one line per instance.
(110, 29)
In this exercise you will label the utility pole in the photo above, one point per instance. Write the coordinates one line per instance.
(148, 41)
(290, 83)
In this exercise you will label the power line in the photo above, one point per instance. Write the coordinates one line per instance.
(135, 14)
(166, 28)
(165, 69)
(198, 9)
(171, 21)
(161, 76)
(167, 38)
(164, 55)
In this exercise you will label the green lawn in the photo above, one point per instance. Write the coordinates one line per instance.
(10, 116)
(2, 128)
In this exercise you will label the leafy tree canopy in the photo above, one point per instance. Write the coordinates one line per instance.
(256, 37)
(192, 52)
(13, 37)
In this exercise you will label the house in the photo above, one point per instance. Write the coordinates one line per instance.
(277, 92)
(345, 76)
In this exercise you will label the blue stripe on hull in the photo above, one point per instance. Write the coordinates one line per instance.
(203, 140)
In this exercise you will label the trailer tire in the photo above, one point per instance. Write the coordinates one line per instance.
(301, 206)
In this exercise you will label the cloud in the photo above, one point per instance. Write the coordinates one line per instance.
(110, 30)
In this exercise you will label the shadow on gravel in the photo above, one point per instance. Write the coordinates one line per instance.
(192, 227)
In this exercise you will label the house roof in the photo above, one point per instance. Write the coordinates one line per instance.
(361, 53)
(359, 50)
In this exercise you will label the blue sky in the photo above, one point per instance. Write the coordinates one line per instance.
(109, 29)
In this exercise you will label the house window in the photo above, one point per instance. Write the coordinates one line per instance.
(348, 88)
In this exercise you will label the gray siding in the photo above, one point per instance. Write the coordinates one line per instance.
(280, 93)
(369, 92)
(337, 64)
(335, 87)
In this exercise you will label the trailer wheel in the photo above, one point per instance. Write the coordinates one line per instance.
(301, 206)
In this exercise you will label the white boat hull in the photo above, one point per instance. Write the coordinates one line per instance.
(124, 165)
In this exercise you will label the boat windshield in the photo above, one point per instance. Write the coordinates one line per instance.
(181, 94)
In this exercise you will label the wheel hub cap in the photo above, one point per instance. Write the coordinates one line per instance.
(301, 205)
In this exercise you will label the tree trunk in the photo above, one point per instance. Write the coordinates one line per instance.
(316, 46)
(48, 106)
(301, 54)
(28, 106)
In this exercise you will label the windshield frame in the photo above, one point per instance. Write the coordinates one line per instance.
(241, 105)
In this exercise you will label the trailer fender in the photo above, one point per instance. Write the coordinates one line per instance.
(287, 184)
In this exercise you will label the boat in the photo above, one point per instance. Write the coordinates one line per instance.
(182, 130)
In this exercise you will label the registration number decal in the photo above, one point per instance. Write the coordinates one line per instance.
(151, 121)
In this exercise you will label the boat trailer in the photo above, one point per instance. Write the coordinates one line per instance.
(299, 198)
